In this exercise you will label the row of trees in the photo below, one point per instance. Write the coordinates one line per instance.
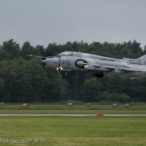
(24, 79)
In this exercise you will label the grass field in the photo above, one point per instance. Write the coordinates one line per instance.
(77, 109)
(75, 131)
(72, 131)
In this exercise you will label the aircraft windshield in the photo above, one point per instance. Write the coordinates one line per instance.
(65, 54)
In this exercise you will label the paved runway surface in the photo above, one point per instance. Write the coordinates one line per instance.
(69, 115)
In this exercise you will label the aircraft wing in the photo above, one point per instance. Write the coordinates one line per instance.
(134, 69)
(123, 68)
(104, 68)
(97, 67)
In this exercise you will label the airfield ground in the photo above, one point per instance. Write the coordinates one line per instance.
(77, 109)
(73, 131)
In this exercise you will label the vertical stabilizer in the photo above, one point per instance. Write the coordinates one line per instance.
(141, 60)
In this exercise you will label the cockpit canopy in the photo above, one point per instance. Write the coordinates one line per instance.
(66, 53)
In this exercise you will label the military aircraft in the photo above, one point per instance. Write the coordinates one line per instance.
(97, 65)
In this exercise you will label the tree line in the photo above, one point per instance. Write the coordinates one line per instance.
(24, 79)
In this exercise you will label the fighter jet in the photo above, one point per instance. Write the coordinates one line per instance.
(96, 64)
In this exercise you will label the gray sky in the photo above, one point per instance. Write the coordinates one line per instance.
(47, 21)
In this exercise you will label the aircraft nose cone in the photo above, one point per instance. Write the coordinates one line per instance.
(52, 62)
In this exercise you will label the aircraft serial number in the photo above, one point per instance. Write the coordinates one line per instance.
(65, 62)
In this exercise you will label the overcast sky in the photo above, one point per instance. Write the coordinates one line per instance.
(47, 21)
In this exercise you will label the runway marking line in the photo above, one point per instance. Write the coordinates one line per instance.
(72, 115)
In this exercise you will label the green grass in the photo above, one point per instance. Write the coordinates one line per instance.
(27, 111)
(76, 131)
(77, 109)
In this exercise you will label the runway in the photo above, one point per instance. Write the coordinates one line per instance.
(72, 115)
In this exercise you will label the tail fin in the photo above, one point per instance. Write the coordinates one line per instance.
(141, 60)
